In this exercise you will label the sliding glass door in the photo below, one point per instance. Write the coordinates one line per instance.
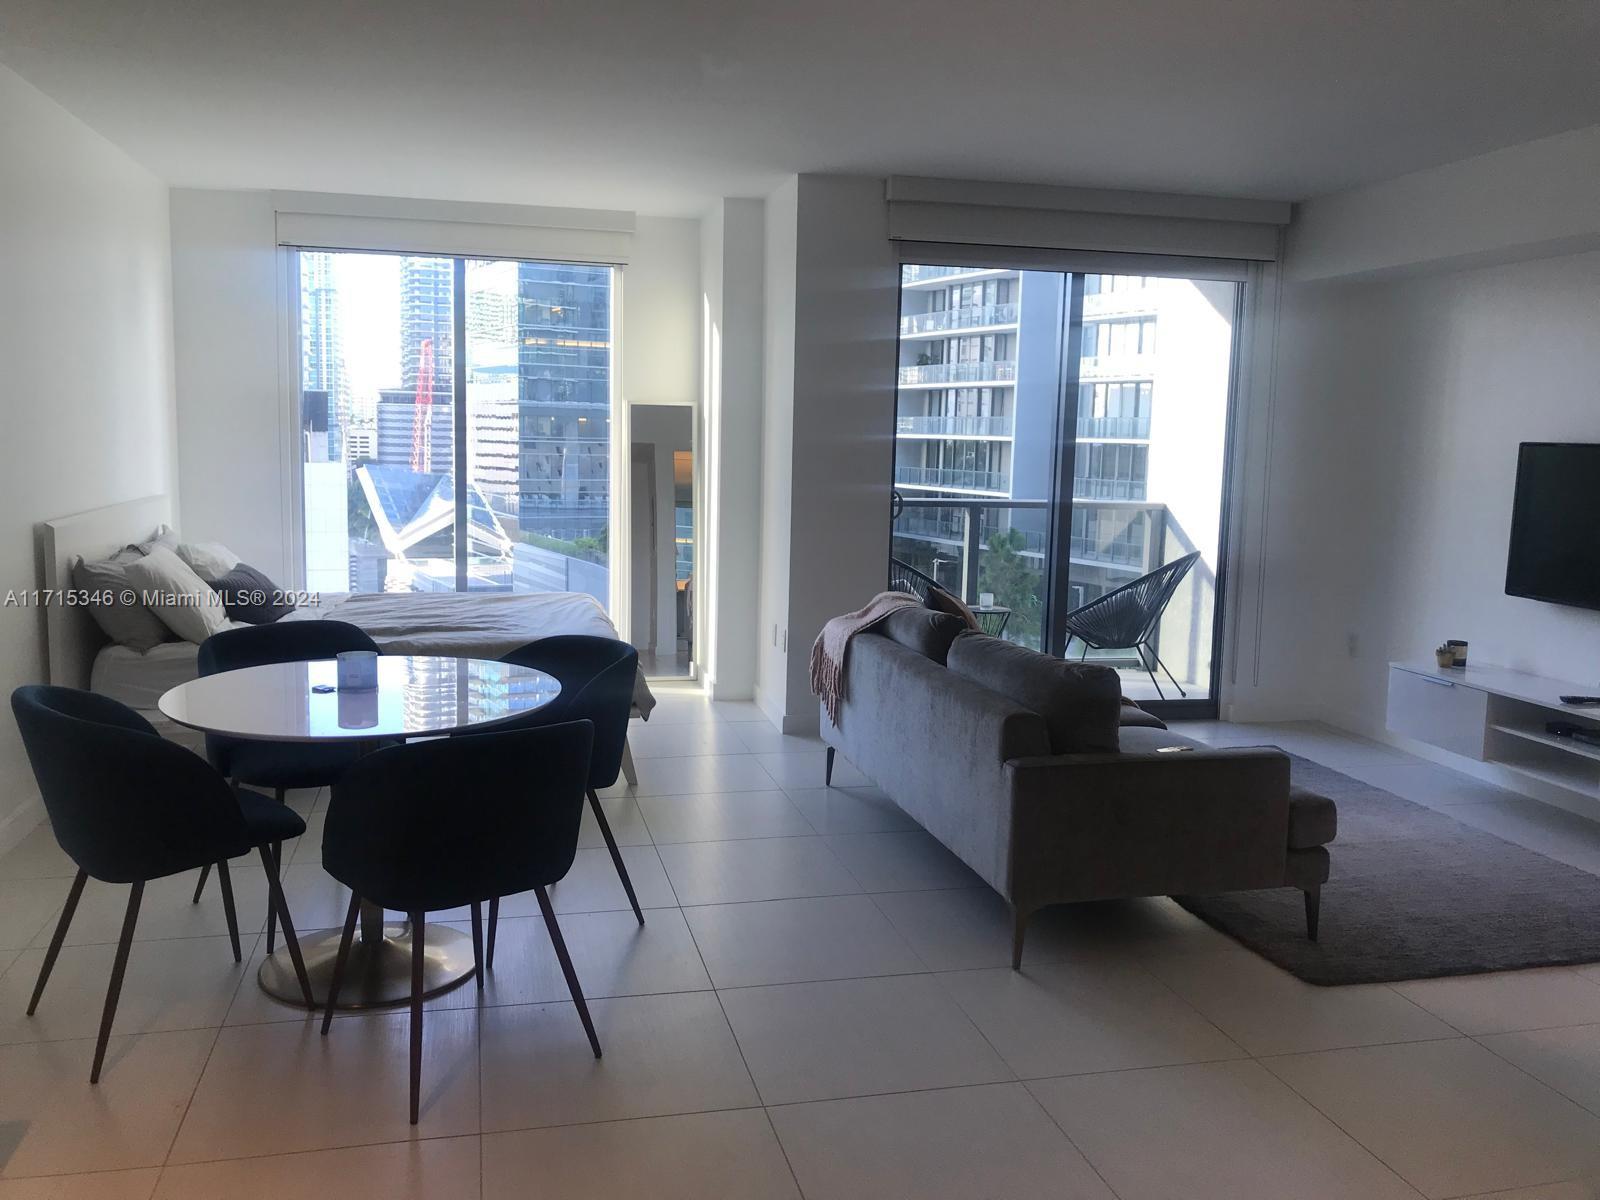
(455, 423)
(1060, 439)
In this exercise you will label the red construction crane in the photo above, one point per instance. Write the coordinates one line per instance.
(422, 421)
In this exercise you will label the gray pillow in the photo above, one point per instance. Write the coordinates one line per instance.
(927, 632)
(1081, 704)
(249, 596)
(131, 625)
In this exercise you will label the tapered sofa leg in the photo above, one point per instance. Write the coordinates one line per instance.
(1019, 927)
(1313, 909)
(827, 770)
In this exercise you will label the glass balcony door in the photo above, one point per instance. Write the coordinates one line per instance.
(1097, 456)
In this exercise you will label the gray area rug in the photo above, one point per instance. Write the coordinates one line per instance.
(1415, 894)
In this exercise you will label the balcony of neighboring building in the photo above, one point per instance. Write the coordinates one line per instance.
(967, 318)
(1104, 367)
(998, 372)
(1135, 302)
(1113, 429)
(918, 275)
(945, 425)
(956, 479)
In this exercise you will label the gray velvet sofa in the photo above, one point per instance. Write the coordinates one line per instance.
(1045, 784)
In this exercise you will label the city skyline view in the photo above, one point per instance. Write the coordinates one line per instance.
(380, 453)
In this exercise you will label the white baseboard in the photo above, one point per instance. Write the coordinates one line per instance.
(27, 817)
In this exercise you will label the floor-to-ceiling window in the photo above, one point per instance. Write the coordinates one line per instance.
(455, 423)
(1060, 436)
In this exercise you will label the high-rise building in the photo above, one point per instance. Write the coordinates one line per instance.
(322, 347)
(564, 398)
(427, 325)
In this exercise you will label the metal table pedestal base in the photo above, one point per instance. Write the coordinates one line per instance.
(379, 971)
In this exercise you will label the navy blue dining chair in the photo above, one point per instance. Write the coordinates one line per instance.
(597, 678)
(277, 765)
(450, 823)
(128, 806)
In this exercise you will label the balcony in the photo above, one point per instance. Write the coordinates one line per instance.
(1095, 368)
(1130, 302)
(953, 477)
(1094, 488)
(1136, 428)
(928, 274)
(940, 374)
(972, 316)
(941, 425)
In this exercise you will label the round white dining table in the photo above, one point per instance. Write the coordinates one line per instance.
(415, 696)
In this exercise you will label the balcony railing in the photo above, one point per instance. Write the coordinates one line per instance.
(1113, 427)
(1093, 368)
(994, 371)
(921, 273)
(969, 316)
(952, 540)
(1095, 488)
(941, 425)
(953, 477)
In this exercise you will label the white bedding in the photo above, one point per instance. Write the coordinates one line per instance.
(450, 623)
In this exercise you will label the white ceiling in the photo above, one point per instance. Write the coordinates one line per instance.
(659, 105)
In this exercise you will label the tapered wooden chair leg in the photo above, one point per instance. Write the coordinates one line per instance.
(225, 883)
(827, 770)
(477, 942)
(59, 936)
(494, 928)
(118, 966)
(616, 854)
(200, 884)
(340, 960)
(1313, 910)
(418, 926)
(565, 959)
(276, 900)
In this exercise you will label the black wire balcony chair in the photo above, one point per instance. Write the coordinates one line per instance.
(1126, 619)
(903, 577)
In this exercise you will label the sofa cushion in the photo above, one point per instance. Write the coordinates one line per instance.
(1080, 704)
(1147, 739)
(948, 602)
(1313, 819)
(927, 632)
(1132, 715)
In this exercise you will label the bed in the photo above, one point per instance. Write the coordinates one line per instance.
(478, 625)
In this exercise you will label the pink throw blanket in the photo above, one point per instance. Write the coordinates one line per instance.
(828, 651)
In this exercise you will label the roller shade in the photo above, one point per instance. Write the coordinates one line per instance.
(333, 222)
(969, 212)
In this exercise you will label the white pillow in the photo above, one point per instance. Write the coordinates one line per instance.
(209, 560)
(184, 602)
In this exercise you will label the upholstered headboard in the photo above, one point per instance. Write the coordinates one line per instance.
(71, 636)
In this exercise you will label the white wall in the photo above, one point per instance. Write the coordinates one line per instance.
(828, 422)
(86, 338)
(233, 404)
(1408, 372)
(777, 448)
(727, 581)
(234, 419)
(1430, 384)
(1526, 201)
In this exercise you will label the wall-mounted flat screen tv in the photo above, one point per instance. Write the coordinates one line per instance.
(1555, 524)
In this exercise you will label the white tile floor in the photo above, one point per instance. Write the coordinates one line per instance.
(819, 1006)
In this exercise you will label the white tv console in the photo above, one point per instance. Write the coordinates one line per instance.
(1497, 717)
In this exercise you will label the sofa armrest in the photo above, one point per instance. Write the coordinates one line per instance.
(1103, 826)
